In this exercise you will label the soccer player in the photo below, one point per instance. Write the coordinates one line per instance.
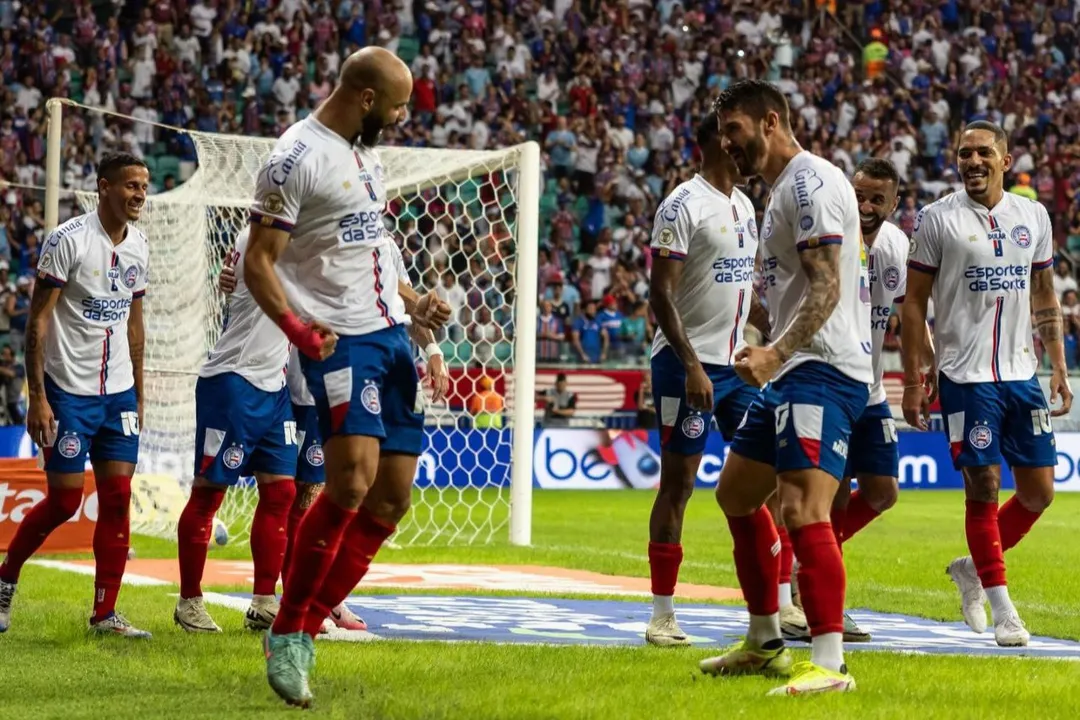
(986, 257)
(873, 456)
(319, 249)
(701, 289)
(244, 426)
(815, 373)
(84, 358)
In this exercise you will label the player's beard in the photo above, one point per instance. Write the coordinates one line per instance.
(746, 157)
(371, 131)
(871, 227)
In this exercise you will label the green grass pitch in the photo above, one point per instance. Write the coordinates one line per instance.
(51, 669)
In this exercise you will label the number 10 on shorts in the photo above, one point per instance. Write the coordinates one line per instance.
(130, 423)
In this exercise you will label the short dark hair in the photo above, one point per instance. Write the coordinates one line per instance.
(112, 163)
(997, 130)
(756, 98)
(879, 169)
(707, 131)
(561, 377)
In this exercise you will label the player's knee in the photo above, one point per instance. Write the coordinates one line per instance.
(1036, 500)
(391, 510)
(677, 488)
(882, 494)
(982, 483)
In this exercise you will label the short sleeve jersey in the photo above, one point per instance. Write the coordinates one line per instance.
(813, 204)
(331, 197)
(86, 346)
(716, 237)
(887, 259)
(982, 261)
(251, 344)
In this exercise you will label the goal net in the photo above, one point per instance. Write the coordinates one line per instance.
(462, 223)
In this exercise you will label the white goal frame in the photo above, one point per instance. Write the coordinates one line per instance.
(528, 172)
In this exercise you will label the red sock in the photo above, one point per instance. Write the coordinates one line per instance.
(193, 537)
(821, 577)
(859, 514)
(363, 538)
(112, 537)
(984, 542)
(838, 517)
(317, 542)
(296, 514)
(269, 534)
(757, 562)
(664, 562)
(787, 556)
(59, 505)
(1014, 521)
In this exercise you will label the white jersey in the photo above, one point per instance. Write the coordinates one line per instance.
(86, 347)
(251, 344)
(887, 268)
(811, 204)
(716, 237)
(298, 389)
(331, 198)
(982, 260)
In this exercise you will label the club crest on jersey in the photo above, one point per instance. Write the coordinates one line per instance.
(751, 227)
(693, 426)
(766, 226)
(69, 445)
(314, 455)
(980, 437)
(274, 203)
(233, 457)
(891, 277)
(369, 398)
(1021, 237)
(806, 222)
(131, 276)
(666, 236)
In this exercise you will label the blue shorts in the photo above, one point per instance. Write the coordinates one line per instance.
(988, 421)
(803, 420)
(873, 449)
(104, 426)
(309, 464)
(241, 430)
(369, 386)
(683, 431)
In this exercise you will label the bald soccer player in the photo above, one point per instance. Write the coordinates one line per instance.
(319, 264)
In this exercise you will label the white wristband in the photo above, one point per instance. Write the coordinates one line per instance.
(432, 350)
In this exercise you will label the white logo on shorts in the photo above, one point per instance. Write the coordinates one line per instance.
(693, 426)
(314, 455)
(980, 437)
(369, 398)
(69, 446)
(233, 457)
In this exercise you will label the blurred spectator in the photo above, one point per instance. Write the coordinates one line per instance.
(559, 403)
(487, 405)
(646, 406)
(12, 380)
(549, 334)
(589, 338)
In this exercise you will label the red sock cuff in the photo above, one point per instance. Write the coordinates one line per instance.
(664, 562)
(1014, 522)
(372, 526)
(278, 494)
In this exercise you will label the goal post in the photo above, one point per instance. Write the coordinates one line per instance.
(467, 219)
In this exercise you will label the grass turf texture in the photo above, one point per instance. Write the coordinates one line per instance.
(53, 670)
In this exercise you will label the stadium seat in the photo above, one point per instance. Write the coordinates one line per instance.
(169, 165)
(408, 49)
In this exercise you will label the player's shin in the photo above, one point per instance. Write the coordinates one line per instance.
(111, 542)
(757, 564)
(305, 496)
(269, 533)
(363, 538)
(193, 536)
(665, 528)
(317, 542)
(1034, 493)
(807, 498)
(60, 505)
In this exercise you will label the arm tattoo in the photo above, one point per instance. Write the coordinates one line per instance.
(1047, 309)
(759, 316)
(822, 267)
(37, 323)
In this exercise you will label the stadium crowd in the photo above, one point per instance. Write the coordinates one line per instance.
(612, 89)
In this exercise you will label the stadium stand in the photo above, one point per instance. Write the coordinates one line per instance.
(610, 88)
